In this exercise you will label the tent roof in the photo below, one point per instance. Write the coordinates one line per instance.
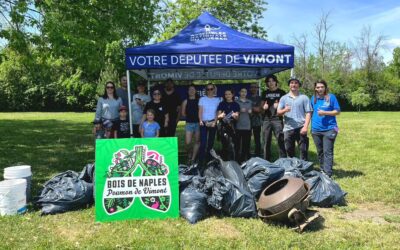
(208, 43)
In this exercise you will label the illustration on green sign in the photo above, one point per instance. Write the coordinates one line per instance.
(120, 192)
(134, 176)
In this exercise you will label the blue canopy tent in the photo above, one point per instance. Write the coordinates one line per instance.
(207, 49)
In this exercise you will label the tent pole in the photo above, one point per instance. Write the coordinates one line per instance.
(148, 87)
(291, 72)
(259, 87)
(129, 103)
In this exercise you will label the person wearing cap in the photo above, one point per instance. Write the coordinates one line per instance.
(121, 126)
(139, 101)
(172, 101)
(272, 122)
(296, 110)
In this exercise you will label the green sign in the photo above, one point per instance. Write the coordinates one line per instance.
(137, 179)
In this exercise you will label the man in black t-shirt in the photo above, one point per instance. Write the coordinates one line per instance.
(272, 122)
(172, 102)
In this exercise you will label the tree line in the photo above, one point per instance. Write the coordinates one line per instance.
(56, 55)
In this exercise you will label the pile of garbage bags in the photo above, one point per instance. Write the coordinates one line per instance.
(224, 188)
(67, 191)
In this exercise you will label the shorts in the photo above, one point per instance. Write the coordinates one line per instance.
(192, 127)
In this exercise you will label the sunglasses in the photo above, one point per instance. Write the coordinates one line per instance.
(210, 89)
(109, 87)
(156, 93)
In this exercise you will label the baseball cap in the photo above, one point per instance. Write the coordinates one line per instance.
(123, 108)
(294, 79)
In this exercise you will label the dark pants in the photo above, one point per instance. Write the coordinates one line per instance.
(324, 141)
(171, 129)
(276, 126)
(227, 136)
(135, 130)
(242, 145)
(293, 136)
(207, 137)
(256, 134)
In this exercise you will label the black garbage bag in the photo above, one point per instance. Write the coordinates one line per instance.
(65, 192)
(226, 133)
(186, 174)
(88, 175)
(219, 188)
(239, 201)
(189, 170)
(294, 166)
(184, 181)
(324, 191)
(193, 204)
(213, 169)
(259, 173)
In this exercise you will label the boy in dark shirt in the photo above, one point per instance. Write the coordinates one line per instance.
(272, 122)
(121, 126)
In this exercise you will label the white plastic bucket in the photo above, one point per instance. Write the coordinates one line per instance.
(20, 172)
(12, 196)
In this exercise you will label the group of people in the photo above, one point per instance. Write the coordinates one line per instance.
(286, 116)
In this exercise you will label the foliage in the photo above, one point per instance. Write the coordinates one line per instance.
(241, 15)
(360, 98)
(56, 50)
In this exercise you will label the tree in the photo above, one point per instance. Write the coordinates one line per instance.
(321, 30)
(301, 43)
(85, 32)
(360, 98)
(367, 51)
(395, 64)
(56, 50)
(241, 15)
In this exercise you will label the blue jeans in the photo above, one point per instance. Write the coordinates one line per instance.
(207, 137)
(324, 141)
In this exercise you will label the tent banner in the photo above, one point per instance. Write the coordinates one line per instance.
(209, 60)
(204, 73)
(137, 178)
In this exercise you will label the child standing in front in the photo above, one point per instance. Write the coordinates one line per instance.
(121, 126)
(150, 128)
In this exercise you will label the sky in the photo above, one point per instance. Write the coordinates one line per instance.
(285, 18)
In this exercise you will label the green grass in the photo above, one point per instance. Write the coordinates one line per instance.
(366, 166)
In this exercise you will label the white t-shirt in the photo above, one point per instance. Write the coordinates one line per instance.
(210, 106)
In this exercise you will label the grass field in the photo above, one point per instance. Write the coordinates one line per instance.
(367, 166)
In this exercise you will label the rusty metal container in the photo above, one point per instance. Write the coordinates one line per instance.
(282, 194)
(287, 201)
